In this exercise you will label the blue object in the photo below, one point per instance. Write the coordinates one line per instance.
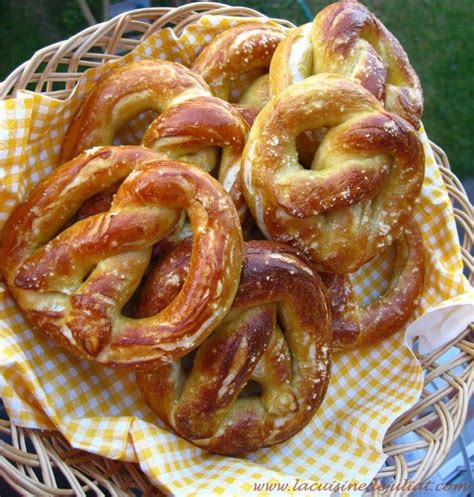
(306, 10)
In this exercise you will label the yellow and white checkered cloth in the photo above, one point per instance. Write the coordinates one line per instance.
(100, 409)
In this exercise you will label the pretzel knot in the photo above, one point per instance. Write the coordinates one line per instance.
(207, 124)
(242, 50)
(347, 39)
(357, 325)
(261, 375)
(124, 94)
(191, 127)
(73, 284)
(364, 179)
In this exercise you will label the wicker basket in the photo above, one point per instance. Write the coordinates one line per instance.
(43, 463)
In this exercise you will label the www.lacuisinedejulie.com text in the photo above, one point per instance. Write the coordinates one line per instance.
(407, 486)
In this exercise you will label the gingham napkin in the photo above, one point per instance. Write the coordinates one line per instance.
(100, 410)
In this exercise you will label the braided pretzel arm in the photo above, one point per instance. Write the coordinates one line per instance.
(216, 404)
(182, 131)
(363, 183)
(354, 325)
(124, 94)
(346, 38)
(102, 201)
(72, 284)
(236, 51)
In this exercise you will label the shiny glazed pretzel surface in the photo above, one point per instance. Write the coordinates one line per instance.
(73, 284)
(193, 131)
(192, 125)
(346, 38)
(232, 347)
(256, 380)
(235, 52)
(124, 94)
(364, 179)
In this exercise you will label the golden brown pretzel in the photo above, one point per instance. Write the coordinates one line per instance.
(122, 95)
(217, 404)
(346, 38)
(102, 201)
(354, 325)
(234, 52)
(254, 100)
(363, 183)
(73, 284)
(184, 130)
(193, 132)
(257, 95)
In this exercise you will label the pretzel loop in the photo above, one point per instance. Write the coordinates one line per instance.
(184, 130)
(250, 384)
(124, 94)
(363, 182)
(240, 50)
(73, 285)
(357, 325)
(345, 38)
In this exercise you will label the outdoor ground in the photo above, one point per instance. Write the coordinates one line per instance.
(437, 35)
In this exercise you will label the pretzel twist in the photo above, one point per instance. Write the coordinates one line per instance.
(356, 325)
(73, 284)
(216, 403)
(124, 94)
(191, 126)
(363, 183)
(346, 38)
(235, 52)
(184, 130)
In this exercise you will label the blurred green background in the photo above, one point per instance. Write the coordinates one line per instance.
(437, 35)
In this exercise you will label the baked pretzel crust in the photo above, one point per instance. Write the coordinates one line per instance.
(73, 284)
(345, 38)
(236, 51)
(124, 94)
(184, 130)
(213, 404)
(364, 179)
(357, 325)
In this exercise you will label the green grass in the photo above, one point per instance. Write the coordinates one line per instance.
(436, 34)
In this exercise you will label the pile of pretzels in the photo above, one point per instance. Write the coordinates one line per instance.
(214, 258)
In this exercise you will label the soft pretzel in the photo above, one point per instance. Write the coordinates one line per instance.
(254, 99)
(73, 284)
(102, 202)
(257, 95)
(251, 384)
(183, 130)
(125, 93)
(363, 183)
(193, 132)
(346, 38)
(355, 325)
(235, 52)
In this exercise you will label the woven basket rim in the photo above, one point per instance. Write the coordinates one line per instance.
(7, 84)
(86, 470)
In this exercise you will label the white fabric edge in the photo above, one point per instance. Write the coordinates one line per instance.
(439, 326)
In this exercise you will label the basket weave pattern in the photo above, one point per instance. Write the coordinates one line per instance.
(417, 443)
